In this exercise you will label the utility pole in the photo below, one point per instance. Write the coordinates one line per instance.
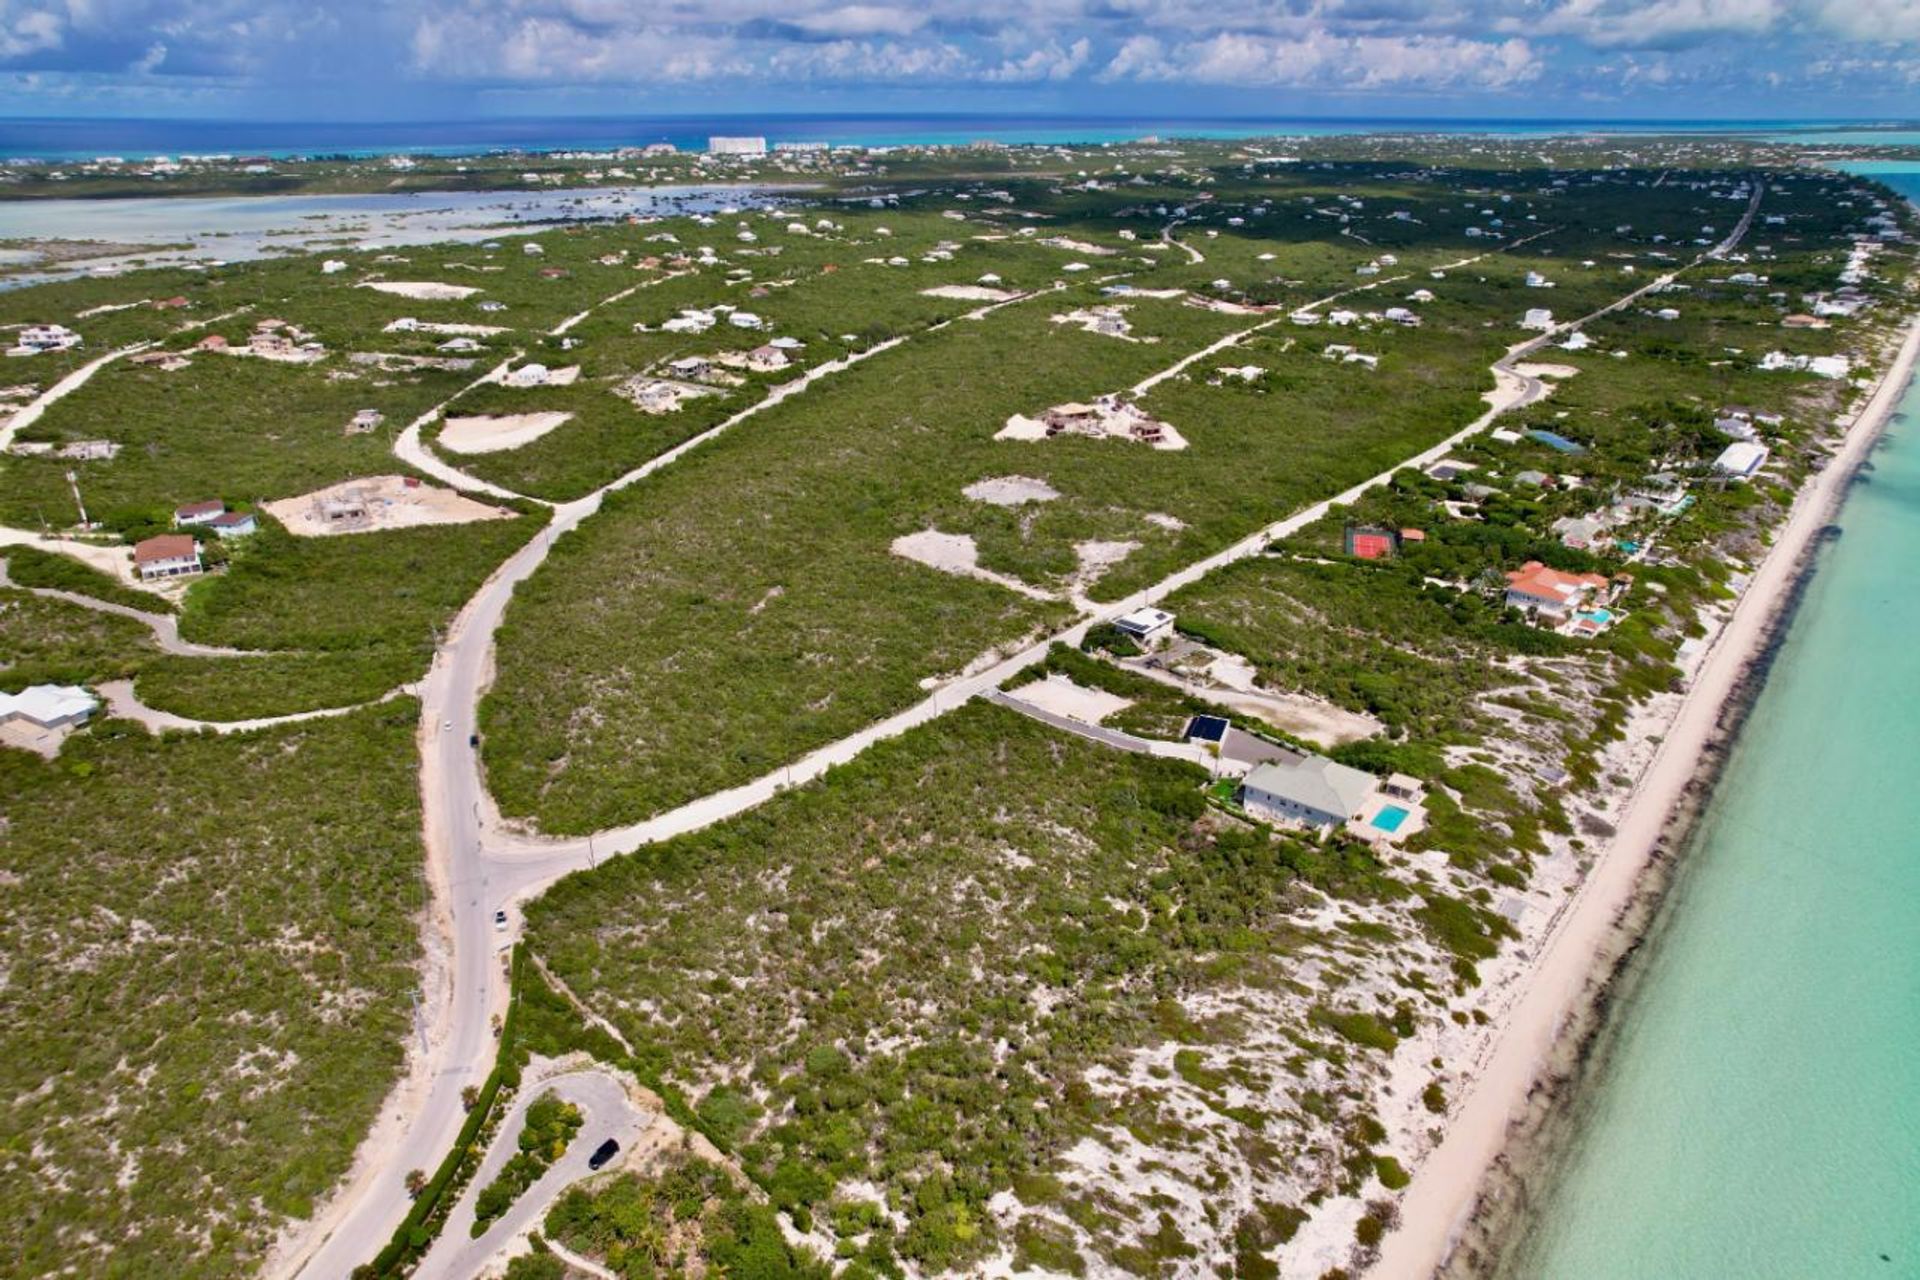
(590, 858)
(73, 481)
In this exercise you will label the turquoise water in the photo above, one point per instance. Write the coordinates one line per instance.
(1756, 1111)
(1390, 818)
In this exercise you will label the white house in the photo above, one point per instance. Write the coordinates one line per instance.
(36, 338)
(1741, 459)
(233, 524)
(527, 375)
(1312, 791)
(736, 146)
(1537, 318)
(1144, 626)
(48, 706)
(198, 512)
(170, 555)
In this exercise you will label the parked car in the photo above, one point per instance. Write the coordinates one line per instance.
(603, 1153)
(473, 739)
(500, 918)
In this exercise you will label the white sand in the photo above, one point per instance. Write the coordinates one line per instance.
(1533, 370)
(1078, 246)
(390, 504)
(970, 293)
(955, 553)
(491, 433)
(1098, 557)
(1063, 697)
(1446, 1184)
(1011, 491)
(429, 326)
(423, 290)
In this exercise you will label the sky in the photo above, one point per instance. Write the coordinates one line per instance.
(354, 60)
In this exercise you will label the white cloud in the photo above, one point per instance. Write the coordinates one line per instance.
(862, 20)
(1049, 63)
(1320, 60)
(28, 31)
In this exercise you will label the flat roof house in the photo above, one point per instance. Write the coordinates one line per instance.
(1145, 625)
(1313, 791)
(170, 555)
(1741, 459)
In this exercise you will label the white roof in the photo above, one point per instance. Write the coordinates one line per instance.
(1742, 458)
(1316, 783)
(1145, 619)
(47, 704)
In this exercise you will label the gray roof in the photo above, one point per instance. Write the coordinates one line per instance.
(1315, 783)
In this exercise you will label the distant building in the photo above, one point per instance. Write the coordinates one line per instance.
(36, 338)
(170, 555)
(736, 146)
(1538, 318)
(198, 512)
(1312, 791)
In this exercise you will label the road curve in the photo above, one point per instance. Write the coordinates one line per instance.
(608, 1113)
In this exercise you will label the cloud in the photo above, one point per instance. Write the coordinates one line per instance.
(1049, 63)
(862, 20)
(1322, 61)
(31, 31)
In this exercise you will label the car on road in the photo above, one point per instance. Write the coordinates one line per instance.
(500, 918)
(603, 1153)
(448, 725)
(473, 739)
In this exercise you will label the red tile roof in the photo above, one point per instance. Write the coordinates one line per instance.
(167, 546)
(1537, 580)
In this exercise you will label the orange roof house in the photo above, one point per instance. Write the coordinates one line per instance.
(1536, 587)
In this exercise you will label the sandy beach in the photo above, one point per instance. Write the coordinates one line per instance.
(1575, 961)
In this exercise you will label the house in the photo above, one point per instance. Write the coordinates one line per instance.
(1576, 341)
(1404, 787)
(690, 367)
(767, 359)
(233, 524)
(1579, 532)
(1401, 315)
(212, 342)
(198, 512)
(1146, 625)
(1537, 318)
(1537, 589)
(47, 337)
(170, 555)
(264, 343)
(48, 706)
(1663, 491)
(1312, 791)
(170, 304)
(1741, 459)
(527, 375)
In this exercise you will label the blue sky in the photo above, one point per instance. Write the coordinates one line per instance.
(438, 59)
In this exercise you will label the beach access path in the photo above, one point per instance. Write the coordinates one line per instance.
(1446, 1185)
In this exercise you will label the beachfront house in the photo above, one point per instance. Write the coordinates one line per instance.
(170, 555)
(1742, 459)
(1311, 791)
(1145, 626)
(1550, 594)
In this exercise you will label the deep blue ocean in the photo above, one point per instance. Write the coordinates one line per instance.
(51, 138)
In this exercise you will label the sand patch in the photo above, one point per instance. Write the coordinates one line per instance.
(491, 433)
(1545, 370)
(955, 553)
(1107, 418)
(1078, 246)
(1098, 557)
(1160, 519)
(423, 290)
(407, 324)
(1063, 697)
(1011, 491)
(374, 503)
(970, 293)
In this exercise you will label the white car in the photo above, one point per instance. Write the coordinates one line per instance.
(500, 919)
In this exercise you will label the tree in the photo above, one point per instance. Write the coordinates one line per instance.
(470, 1096)
(416, 1182)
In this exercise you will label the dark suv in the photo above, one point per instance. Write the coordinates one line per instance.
(603, 1153)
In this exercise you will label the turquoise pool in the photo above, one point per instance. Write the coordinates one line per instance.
(1389, 818)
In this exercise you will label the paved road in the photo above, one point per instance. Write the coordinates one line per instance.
(608, 1112)
(477, 865)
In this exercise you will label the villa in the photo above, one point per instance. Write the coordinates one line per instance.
(170, 555)
(1742, 459)
(1312, 791)
(1550, 595)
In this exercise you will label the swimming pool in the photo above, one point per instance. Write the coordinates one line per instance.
(1601, 616)
(1389, 818)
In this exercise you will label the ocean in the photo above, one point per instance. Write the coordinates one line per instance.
(54, 138)
(1754, 1108)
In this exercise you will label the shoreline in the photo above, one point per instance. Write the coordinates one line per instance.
(1540, 1048)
